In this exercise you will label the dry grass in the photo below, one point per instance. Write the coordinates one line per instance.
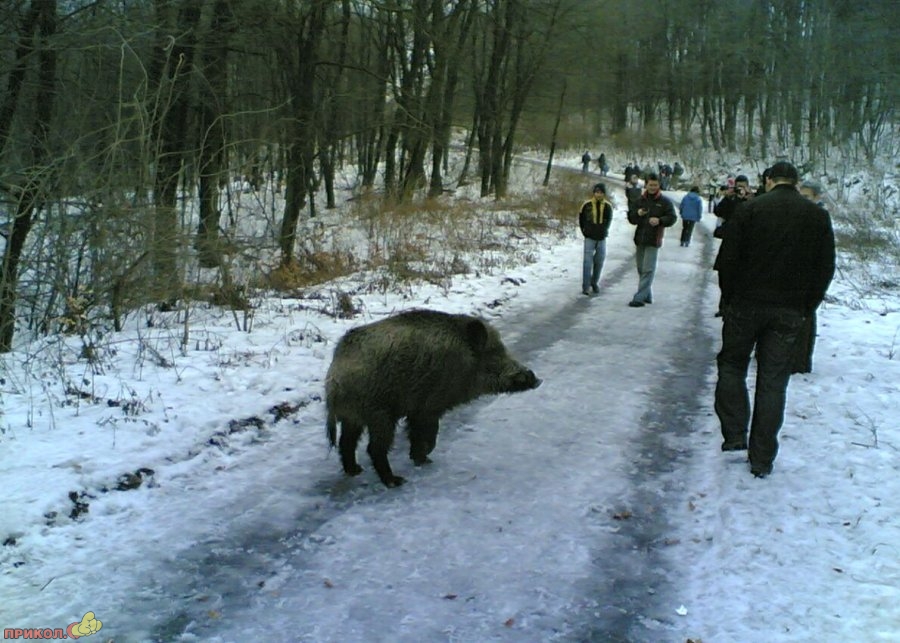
(310, 268)
(429, 240)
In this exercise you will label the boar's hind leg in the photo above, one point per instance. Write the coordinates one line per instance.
(349, 439)
(381, 437)
(422, 438)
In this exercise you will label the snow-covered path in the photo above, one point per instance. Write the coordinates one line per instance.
(597, 507)
(544, 516)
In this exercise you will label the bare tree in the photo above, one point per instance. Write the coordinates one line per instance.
(35, 53)
(170, 72)
(298, 50)
(212, 157)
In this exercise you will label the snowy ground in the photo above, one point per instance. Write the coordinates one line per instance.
(597, 507)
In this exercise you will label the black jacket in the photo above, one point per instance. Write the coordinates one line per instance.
(728, 206)
(779, 250)
(633, 194)
(594, 222)
(660, 207)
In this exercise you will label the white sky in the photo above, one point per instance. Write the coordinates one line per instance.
(597, 507)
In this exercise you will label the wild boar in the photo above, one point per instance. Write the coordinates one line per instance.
(415, 365)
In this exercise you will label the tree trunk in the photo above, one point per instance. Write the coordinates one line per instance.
(334, 107)
(212, 157)
(621, 95)
(43, 19)
(559, 112)
(300, 55)
(174, 71)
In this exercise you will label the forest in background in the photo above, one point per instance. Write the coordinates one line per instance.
(123, 123)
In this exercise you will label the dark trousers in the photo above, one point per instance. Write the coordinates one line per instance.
(687, 230)
(806, 342)
(773, 331)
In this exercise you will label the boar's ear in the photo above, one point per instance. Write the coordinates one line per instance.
(477, 335)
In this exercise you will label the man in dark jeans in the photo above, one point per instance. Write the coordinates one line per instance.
(775, 264)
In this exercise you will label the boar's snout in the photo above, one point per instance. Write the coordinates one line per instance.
(524, 380)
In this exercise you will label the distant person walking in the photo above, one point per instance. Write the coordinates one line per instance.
(691, 210)
(633, 189)
(652, 213)
(677, 173)
(594, 220)
(585, 162)
(775, 265)
(806, 341)
(602, 165)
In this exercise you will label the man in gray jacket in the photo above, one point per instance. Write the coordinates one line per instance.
(775, 264)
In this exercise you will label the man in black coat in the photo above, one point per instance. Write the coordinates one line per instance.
(775, 264)
(734, 198)
(651, 214)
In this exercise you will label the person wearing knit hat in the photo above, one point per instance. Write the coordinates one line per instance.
(594, 219)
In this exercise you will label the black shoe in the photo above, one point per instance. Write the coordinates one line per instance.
(734, 445)
(760, 471)
(636, 304)
(595, 289)
(586, 292)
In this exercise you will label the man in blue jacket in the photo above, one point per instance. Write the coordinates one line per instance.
(652, 213)
(691, 210)
(775, 264)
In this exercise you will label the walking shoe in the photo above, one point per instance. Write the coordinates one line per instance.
(636, 304)
(586, 292)
(734, 445)
(595, 289)
(759, 470)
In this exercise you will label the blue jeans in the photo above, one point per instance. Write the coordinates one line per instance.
(594, 256)
(773, 331)
(645, 259)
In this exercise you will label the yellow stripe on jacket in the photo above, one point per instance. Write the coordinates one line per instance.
(597, 210)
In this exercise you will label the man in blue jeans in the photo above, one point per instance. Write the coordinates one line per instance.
(652, 213)
(594, 219)
(775, 264)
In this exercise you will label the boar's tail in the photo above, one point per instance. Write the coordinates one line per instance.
(331, 427)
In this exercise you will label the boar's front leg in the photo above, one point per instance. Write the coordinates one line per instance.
(422, 438)
(349, 439)
(381, 438)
